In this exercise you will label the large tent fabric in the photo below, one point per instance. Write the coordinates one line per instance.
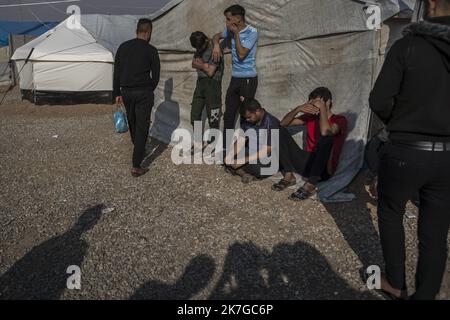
(56, 10)
(7, 28)
(303, 44)
(30, 28)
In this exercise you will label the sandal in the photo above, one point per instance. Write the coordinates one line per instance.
(301, 195)
(283, 184)
(246, 177)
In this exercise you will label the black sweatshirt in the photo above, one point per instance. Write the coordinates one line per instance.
(136, 65)
(412, 93)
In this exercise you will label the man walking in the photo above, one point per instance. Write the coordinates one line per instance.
(244, 81)
(412, 97)
(136, 76)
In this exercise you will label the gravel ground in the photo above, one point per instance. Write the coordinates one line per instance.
(180, 232)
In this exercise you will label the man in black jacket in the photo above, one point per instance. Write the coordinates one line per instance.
(136, 76)
(412, 97)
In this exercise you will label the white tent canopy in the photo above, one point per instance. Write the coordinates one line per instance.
(64, 44)
(64, 60)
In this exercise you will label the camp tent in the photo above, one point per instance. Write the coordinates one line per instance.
(65, 63)
(71, 65)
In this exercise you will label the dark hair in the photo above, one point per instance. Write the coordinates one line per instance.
(198, 40)
(321, 92)
(235, 10)
(251, 105)
(144, 25)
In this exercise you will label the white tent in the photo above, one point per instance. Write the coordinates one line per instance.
(67, 63)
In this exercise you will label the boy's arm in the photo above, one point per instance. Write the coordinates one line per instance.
(291, 118)
(217, 50)
(209, 69)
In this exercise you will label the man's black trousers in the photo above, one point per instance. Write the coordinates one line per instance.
(403, 173)
(138, 103)
(293, 159)
(239, 87)
(309, 165)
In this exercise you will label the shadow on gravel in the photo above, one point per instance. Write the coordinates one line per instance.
(42, 272)
(154, 149)
(356, 225)
(194, 279)
(290, 271)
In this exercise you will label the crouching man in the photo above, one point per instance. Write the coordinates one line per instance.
(255, 154)
(326, 134)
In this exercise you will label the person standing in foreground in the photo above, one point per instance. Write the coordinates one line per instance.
(412, 97)
(136, 76)
(244, 81)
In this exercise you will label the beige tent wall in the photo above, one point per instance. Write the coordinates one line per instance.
(296, 54)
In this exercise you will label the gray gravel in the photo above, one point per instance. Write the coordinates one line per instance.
(186, 232)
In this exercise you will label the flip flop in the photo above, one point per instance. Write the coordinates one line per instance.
(300, 195)
(283, 184)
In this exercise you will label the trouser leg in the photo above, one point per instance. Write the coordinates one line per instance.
(198, 103)
(433, 227)
(213, 97)
(398, 181)
(232, 104)
(144, 104)
(316, 168)
(291, 157)
(129, 102)
(247, 89)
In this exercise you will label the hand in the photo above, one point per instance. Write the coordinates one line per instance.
(217, 53)
(198, 63)
(309, 108)
(232, 27)
(119, 100)
(320, 104)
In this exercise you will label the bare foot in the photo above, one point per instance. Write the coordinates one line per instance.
(396, 293)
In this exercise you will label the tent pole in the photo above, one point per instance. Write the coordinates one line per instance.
(11, 64)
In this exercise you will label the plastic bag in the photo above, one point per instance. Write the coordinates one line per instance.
(120, 120)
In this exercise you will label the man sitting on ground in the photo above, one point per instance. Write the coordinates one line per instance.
(258, 119)
(326, 136)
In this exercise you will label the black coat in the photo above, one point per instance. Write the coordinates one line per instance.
(412, 93)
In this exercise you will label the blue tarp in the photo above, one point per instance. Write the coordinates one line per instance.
(30, 28)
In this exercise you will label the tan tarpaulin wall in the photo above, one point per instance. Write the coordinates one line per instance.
(303, 44)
